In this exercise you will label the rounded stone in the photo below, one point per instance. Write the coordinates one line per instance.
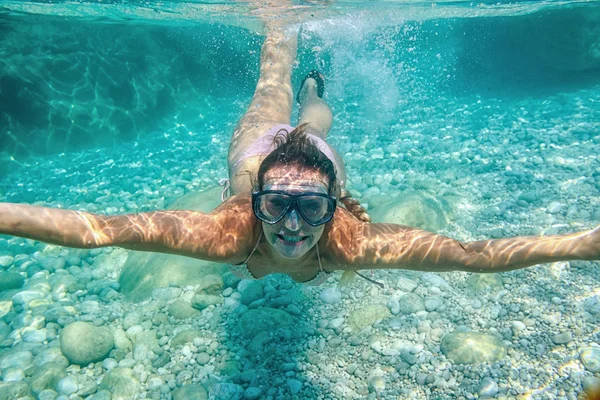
(411, 303)
(6, 261)
(481, 282)
(200, 301)
(226, 391)
(83, 343)
(252, 292)
(192, 391)
(415, 208)
(16, 359)
(121, 382)
(11, 280)
(252, 393)
(47, 377)
(472, 347)
(331, 295)
(211, 284)
(367, 315)
(181, 309)
(590, 357)
(67, 385)
(13, 375)
(294, 385)
(562, 338)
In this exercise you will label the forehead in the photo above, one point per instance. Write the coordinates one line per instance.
(296, 176)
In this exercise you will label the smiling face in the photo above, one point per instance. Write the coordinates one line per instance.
(292, 236)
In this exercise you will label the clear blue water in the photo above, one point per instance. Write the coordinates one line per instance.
(489, 112)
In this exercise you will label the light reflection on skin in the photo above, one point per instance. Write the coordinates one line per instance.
(229, 233)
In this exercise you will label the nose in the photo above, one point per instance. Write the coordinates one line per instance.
(292, 221)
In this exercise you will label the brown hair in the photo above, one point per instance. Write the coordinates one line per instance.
(295, 147)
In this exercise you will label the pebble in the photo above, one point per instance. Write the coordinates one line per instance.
(13, 375)
(406, 285)
(201, 301)
(226, 391)
(377, 384)
(6, 261)
(210, 284)
(251, 292)
(367, 315)
(46, 377)
(562, 338)
(330, 295)
(472, 347)
(11, 280)
(411, 303)
(109, 363)
(25, 296)
(16, 359)
(186, 336)
(294, 385)
(83, 343)
(518, 326)
(181, 309)
(121, 382)
(192, 391)
(590, 357)
(67, 385)
(435, 280)
(555, 207)
(488, 388)
(32, 335)
(252, 393)
(47, 394)
(432, 304)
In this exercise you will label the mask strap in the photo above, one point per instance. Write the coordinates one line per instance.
(381, 285)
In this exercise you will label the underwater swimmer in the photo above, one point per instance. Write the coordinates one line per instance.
(286, 212)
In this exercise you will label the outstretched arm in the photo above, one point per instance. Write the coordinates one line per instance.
(389, 246)
(219, 236)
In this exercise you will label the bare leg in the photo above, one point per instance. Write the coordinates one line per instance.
(271, 105)
(314, 111)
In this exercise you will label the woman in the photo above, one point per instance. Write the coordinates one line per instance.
(284, 215)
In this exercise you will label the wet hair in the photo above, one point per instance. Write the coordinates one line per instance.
(296, 148)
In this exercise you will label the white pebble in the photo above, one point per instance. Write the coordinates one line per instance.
(67, 385)
(13, 375)
(109, 363)
(330, 295)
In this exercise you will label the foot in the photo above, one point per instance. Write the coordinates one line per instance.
(313, 81)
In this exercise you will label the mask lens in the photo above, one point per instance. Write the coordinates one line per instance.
(273, 205)
(314, 208)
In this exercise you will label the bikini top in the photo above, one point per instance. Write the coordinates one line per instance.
(242, 271)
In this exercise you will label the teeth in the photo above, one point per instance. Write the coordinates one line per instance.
(294, 239)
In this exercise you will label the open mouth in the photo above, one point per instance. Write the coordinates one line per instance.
(291, 239)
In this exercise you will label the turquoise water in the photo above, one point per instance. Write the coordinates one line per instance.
(474, 120)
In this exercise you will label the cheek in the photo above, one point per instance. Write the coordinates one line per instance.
(315, 231)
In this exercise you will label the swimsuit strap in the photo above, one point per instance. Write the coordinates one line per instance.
(319, 259)
(254, 248)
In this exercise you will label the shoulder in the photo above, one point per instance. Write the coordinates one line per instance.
(237, 208)
(235, 222)
(343, 238)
